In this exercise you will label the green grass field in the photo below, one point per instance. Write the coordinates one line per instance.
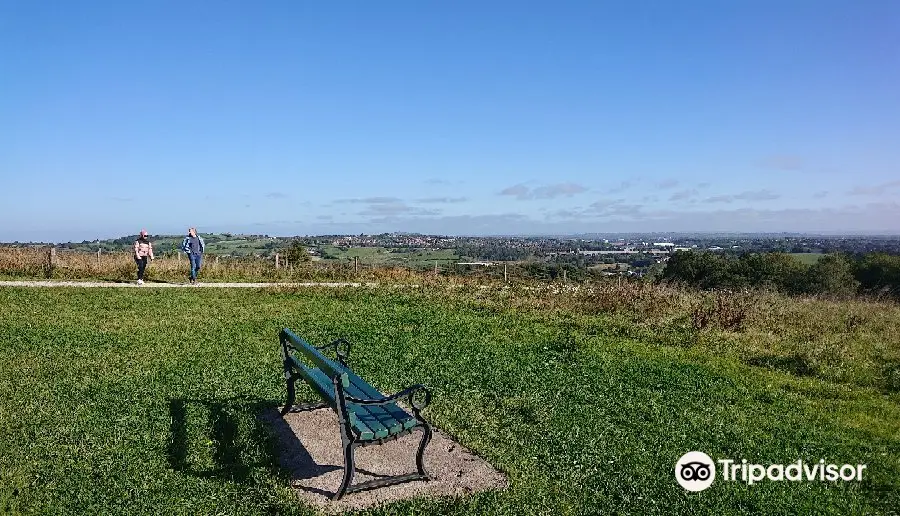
(136, 401)
(417, 259)
(808, 258)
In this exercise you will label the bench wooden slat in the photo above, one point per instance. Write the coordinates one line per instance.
(358, 414)
(318, 381)
(392, 416)
(378, 419)
(328, 366)
(372, 421)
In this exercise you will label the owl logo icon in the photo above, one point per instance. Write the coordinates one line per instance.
(695, 471)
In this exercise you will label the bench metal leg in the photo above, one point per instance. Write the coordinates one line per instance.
(420, 455)
(349, 469)
(291, 395)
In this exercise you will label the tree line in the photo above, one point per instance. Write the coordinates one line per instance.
(838, 274)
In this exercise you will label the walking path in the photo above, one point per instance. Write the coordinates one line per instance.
(124, 284)
(162, 284)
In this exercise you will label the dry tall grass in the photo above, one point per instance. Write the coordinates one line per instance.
(33, 263)
(851, 342)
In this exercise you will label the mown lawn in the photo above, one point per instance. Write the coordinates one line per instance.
(416, 258)
(808, 258)
(144, 401)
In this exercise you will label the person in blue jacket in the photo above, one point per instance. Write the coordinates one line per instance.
(193, 245)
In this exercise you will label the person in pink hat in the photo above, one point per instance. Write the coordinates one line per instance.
(143, 249)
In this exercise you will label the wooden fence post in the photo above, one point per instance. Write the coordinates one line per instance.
(277, 261)
(51, 261)
(564, 275)
(505, 277)
(99, 249)
(356, 264)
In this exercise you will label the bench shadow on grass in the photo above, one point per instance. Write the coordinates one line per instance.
(227, 439)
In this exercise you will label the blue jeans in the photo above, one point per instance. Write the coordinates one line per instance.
(196, 260)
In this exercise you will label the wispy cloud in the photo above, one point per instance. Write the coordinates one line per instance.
(613, 208)
(566, 214)
(605, 203)
(396, 209)
(621, 187)
(683, 195)
(519, 191)
(820, 195)
(442, 200)
(625, 217)
(386, 207)
(603, 209)
(616, 215)
(750, 195)
(370, 200)
(276, 195)
(522, 192)
(719, 198)
(875, 189)
(558, 190)
(757, 195)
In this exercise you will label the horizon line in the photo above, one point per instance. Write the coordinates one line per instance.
(598, 235)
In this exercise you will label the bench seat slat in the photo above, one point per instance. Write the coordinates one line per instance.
(358, 414)
(379, 419)
(370, 421)
(371, 417)
(394, 417)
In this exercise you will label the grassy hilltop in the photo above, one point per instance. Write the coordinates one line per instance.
(144, 401)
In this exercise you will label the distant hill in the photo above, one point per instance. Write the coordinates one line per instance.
(216, 243)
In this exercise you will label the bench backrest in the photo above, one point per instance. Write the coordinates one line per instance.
(325, 364)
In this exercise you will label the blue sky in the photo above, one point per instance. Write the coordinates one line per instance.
(456, 117)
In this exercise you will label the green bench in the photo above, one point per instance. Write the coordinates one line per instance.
(365, 415)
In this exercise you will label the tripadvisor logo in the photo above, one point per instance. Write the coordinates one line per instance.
(695, 471)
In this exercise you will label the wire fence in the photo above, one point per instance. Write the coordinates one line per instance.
(55, 263)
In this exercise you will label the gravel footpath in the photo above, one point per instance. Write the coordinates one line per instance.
(131, 284)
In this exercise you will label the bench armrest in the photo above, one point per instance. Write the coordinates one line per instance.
(342, 355)
(409, 394)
